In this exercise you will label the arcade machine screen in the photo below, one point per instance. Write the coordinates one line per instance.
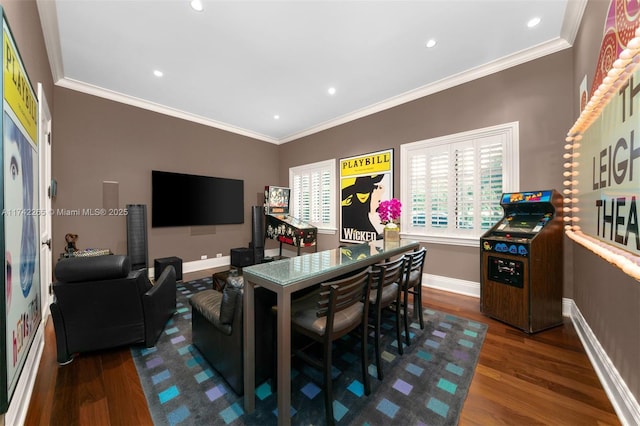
(523, 223)
(276, 200)
(525, 212)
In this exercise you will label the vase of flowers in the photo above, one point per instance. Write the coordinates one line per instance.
(389, 213)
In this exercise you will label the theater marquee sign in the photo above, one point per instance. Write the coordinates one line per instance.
(602, 168)
(609, 171)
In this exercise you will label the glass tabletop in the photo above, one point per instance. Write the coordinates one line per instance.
(291, 270)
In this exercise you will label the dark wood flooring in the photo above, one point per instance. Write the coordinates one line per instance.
(545, 379)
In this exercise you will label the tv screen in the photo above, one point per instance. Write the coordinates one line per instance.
(179, 199)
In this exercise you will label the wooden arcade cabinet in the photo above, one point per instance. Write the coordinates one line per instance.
(522, 262)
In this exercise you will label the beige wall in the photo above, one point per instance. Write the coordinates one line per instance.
(608, 299)
(537, 94)
(97, 140)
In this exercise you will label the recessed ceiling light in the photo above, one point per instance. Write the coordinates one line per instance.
(158, 73)
(276, 117)
(533, 22)
(197, 5)
(332, 91)
(431, 42)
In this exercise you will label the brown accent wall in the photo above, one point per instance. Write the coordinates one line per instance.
(537, 94)
(608, 299)
(97, 140)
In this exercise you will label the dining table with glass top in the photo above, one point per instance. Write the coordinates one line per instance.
(286, 276)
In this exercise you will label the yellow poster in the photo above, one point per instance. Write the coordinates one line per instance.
(365, 181)
(17, 89)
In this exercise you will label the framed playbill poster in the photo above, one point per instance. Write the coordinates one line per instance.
(19, 221)
(365, 180)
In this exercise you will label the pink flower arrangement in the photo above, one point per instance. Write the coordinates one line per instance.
(389, 211)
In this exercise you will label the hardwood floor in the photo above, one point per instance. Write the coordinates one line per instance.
(545, 378)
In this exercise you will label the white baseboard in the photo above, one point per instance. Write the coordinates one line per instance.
(623, 401)
(453, 285)
(214, 262)
(19, 405)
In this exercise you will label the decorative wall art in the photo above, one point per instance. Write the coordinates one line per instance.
(19, 221)
(365, 181)
(602, 176)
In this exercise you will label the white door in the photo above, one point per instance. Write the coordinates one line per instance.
(44, 151)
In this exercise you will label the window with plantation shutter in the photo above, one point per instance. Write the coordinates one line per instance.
(313, 194)
(451, 186)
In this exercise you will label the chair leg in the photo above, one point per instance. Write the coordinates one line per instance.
(407, 337)
(377, 343)
(328, 388)
(365, 358)
(398, 332)
(418, 305)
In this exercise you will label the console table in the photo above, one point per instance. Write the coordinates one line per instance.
(286, 276)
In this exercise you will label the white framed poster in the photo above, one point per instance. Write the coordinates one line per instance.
(19, 222)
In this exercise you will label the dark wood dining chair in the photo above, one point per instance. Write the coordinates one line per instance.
(414, 266)
(386, 290)
(333, 310)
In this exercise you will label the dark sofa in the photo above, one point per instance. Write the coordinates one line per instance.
(100, 303)
(218, 334)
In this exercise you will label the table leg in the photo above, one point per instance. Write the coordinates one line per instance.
(284, 358)
(249, 358)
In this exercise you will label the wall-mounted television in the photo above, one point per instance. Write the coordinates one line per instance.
(179, 199)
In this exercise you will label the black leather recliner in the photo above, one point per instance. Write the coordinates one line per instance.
(100, 303)
(217, 331)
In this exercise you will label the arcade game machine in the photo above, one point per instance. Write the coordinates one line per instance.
(521, 262)
(283, 227)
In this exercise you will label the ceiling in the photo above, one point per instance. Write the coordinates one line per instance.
(264, 68)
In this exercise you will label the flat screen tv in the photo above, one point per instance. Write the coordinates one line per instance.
(179, 199)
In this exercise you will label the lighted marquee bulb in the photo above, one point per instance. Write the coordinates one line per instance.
(567, 200)
(627, 53)
(614, 73)
(621, 63)
(567, 165)
(570, 182)
(567, 218)
(567, 155)
(634, 43)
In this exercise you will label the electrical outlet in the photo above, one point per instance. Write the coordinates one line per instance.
(203, 257)
(219, 255)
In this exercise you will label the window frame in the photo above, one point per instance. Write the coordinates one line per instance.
(308, 169)
(509, 132)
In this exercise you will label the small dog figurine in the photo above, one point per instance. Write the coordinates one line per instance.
(71, 239)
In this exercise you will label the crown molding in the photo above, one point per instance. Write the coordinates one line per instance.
(502, 64)
(48, 18)
(162, 109)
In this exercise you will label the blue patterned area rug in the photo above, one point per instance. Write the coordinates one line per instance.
(425, 386)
